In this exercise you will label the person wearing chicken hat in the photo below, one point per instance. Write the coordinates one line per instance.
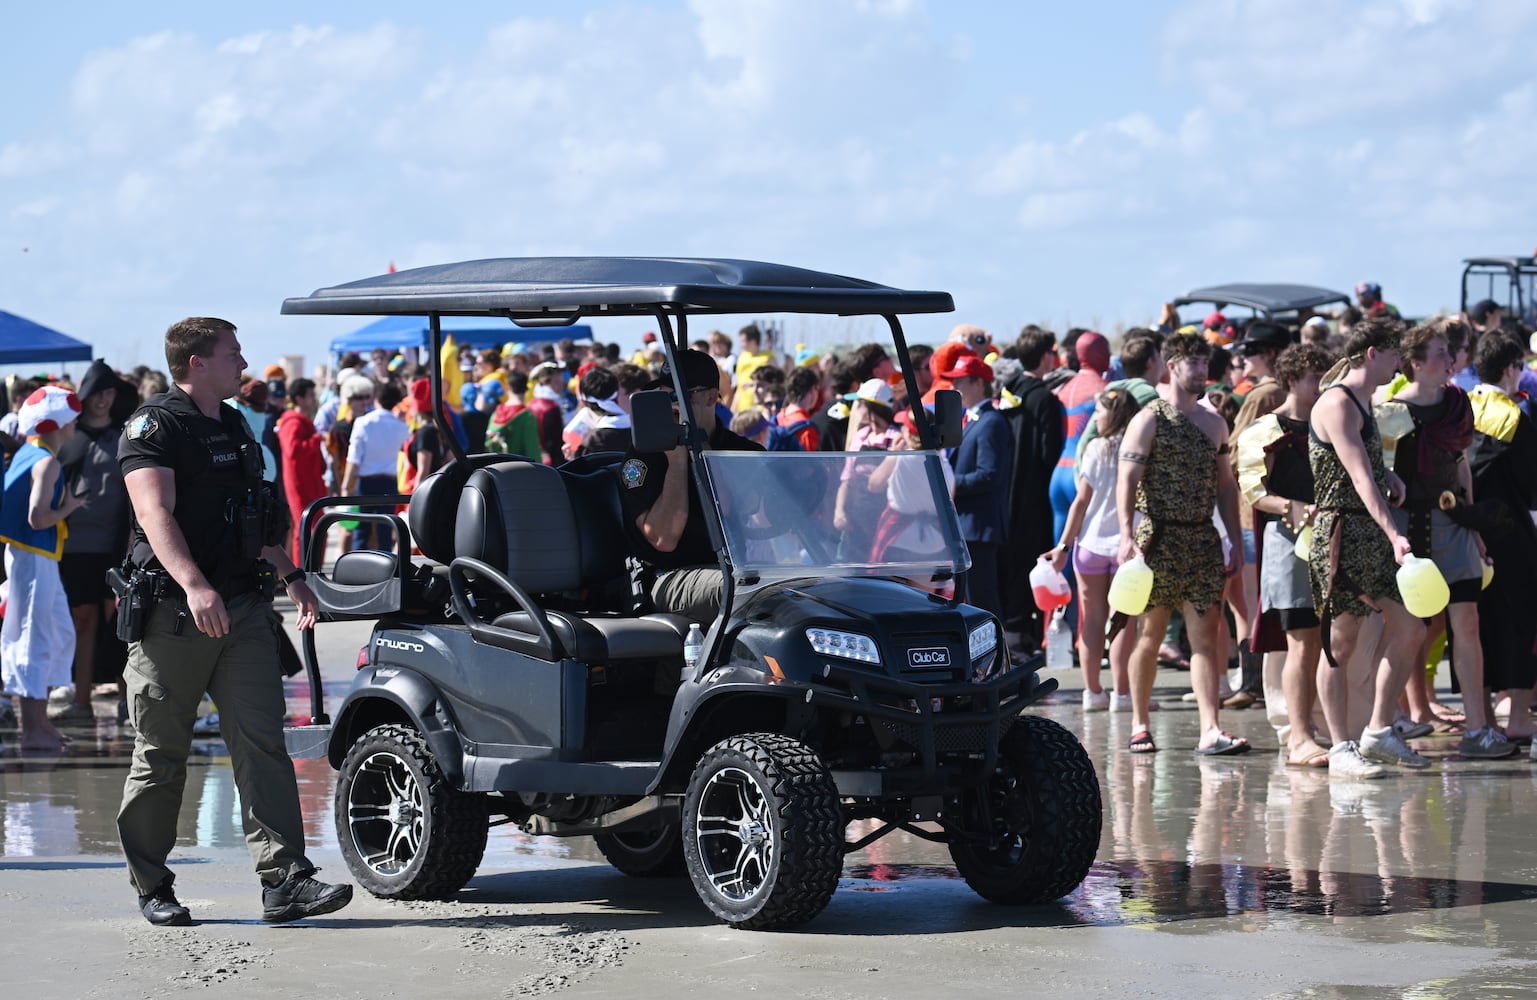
(37, 643)
(983, 463)
(662, 513)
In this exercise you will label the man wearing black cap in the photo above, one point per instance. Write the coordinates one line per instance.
(662, 509)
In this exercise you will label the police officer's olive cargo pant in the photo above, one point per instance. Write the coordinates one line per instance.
(167, 675)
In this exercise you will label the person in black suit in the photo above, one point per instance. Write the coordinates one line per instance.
(983, 471)
(1035, 419)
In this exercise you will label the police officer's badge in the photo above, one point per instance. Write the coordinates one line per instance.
(142, 425)
(633, 473)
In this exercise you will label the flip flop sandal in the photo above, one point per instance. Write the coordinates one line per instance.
(1313, 761)
(1226, 745)
(1142, 743)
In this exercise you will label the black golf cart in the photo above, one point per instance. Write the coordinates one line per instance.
(1509, 281)
(1282, 303)
(517, 672)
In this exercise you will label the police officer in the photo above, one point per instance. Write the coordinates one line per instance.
(206, 538)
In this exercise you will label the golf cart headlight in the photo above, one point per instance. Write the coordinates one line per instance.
(983, 639)
(844, 645)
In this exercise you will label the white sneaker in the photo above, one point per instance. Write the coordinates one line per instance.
(1122, 703)
(1345, 761)
(1096, 701)
(208, 725)
(1387, 747)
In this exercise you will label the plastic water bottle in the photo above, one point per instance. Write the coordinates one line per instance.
(693, 646)
(1059, 642)
(1422, 587)
(1131, 587)
(1048, 586)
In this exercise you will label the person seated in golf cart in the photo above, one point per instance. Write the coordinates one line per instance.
(661, 506)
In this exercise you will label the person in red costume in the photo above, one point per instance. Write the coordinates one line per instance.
(303, 456)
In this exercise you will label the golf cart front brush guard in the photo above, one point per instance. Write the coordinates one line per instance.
(926, 717)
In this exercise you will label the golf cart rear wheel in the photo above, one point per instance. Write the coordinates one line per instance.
(403, 831)
(763, 831)
(1031, 833)
(644, 853)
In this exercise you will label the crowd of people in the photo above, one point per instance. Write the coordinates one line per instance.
(1272, 476)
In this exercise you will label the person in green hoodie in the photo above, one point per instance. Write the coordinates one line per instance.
(514, 430)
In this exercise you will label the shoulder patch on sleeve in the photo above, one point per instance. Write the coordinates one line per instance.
(633, 473)
(142, 425)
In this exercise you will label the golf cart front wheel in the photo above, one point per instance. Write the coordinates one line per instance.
(763, 831)
(1029, 835)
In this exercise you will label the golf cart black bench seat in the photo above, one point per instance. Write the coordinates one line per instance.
(548, 533)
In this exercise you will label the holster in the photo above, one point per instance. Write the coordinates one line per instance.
(136, 592)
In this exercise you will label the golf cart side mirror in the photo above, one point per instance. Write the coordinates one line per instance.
(947, 417)
(652, 425)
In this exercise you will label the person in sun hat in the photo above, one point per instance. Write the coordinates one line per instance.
(37, 642)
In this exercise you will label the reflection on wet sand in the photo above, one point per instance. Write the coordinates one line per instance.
(1245, 841)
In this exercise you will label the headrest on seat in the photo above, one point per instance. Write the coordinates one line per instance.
(518, 518)
(435, 504)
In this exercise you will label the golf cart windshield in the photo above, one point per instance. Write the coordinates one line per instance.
(874, 513)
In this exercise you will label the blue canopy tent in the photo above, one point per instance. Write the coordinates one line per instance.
(396, 332)
(23, 342)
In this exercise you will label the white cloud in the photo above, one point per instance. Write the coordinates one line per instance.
(1281, 142)
(22, 159)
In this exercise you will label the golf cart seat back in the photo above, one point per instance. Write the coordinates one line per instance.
(554, 535)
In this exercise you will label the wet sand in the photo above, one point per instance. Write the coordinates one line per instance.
(1235, 877)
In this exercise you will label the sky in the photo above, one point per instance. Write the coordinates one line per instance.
(1067, 164)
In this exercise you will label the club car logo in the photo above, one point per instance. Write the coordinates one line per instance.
(929, 656)
(401, 645)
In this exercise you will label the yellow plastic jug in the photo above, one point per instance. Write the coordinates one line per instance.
(1131, 586)
(1422, 587)
(1304, 546)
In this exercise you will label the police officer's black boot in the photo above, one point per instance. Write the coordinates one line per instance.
(300, 896)
(161, 908)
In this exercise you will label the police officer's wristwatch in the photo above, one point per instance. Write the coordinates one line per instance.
(293, 578)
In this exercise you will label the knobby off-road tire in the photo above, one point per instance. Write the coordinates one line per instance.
(1046, 815)
(645, 853)
(403, 831)
(763, 832)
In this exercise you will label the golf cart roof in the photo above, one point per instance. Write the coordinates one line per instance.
(557, 290)
(1510, 263)
(1266, 299)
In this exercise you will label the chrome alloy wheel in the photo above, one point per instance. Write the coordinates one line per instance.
(734, 830)
(385, 815)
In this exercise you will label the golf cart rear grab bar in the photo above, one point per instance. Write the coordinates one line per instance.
(549, 642)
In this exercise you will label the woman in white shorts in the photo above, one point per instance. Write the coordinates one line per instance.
(1092, 535)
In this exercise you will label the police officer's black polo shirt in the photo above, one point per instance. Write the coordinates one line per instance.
(170, 432)
(641, 479)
